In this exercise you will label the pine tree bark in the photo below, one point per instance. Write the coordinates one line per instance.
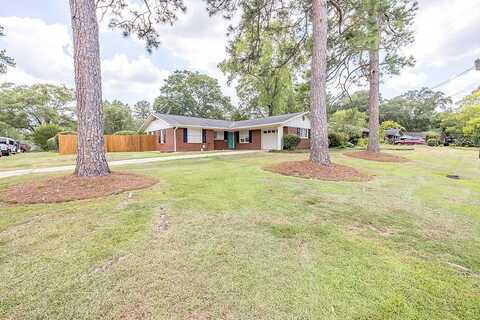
(318, 109)
(374, 97)
(91, 160)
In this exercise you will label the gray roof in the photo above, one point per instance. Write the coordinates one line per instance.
(393, 132)
(179, 121)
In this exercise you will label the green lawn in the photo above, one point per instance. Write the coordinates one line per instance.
(220, 238)
(52, 159)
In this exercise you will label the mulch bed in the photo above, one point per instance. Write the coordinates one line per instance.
(376, 156)
(306, 169)
(69, 188)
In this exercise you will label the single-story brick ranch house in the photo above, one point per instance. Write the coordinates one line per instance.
(181, 133)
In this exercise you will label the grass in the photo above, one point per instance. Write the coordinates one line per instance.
(220, 238)
(52, 159)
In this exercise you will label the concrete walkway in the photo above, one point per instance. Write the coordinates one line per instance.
(6, 174)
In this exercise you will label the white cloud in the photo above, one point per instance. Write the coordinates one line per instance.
(408, 80)
(43, 54)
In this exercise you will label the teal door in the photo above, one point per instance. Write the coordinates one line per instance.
(231, 140)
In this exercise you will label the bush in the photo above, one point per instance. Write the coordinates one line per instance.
(52, 144)
(44, 132)
(432, 135)
(433, 142)
(337, 139)
(290, 141)
(126, 133)
(362, 142)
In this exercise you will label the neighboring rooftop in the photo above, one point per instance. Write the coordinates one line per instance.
(179, 121)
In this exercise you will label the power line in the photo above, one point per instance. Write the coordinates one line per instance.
(453, 78)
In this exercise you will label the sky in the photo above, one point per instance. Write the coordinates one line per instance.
(38, 37)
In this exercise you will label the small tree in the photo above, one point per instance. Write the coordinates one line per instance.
(42, 133)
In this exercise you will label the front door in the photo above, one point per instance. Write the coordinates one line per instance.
(231, 140)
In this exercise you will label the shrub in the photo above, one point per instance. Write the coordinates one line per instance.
(290, 141)
(126, 133)
(337, 139)
(432, 135)
(433, 142)
(44, 132)
(362, 142)
(52, 144)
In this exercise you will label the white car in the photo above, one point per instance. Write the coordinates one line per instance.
(4, 146)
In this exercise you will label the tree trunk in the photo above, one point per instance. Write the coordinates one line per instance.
(374, 97)
(318, 109)
(91, 159)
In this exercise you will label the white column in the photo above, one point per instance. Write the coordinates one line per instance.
(279, 138)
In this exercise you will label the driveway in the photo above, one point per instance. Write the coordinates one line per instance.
(6, 174)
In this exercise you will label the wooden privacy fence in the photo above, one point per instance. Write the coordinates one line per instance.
(67, 144)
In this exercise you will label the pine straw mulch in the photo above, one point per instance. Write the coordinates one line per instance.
(306, 169)
(375, 156)
(69, 188)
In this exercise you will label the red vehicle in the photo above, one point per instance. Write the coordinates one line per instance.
(23, 147)
(410, 140)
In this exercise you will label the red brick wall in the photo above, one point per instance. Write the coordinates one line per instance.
(256, 143)
(168, 145)
(304, 143)
(209, 145)
(220, 145)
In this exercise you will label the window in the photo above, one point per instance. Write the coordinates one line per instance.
(161, 136)
(245, 136)
(194, 135)
(220, 135)
(302, 133)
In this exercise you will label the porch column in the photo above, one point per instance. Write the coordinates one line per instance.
(280, 138)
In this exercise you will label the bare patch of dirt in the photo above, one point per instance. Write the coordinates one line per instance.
(307, 169)
(69, 188)
(358, 227)
(109, 264)
(376, 156)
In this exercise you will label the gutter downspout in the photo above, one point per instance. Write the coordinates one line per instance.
(175, 139)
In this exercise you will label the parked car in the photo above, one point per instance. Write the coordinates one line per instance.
(23, 147)
(408, 140)
(4, 147)
(13, 145)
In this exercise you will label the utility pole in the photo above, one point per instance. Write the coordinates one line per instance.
(477, 64)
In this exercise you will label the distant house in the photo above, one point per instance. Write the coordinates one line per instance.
(181, 133)
(392, 135)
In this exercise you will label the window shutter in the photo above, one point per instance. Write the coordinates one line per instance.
(185, 135)
(204, 136)
(309, 133)
(298, 132)
(225, 135)
(250, 136)
(237, 137)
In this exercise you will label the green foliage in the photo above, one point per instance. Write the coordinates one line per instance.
(337, 139)
(52, 144)
(142, 109)
(464, 124)
(192, 94)
(290, 141)
(432, 142)
(358, 100)
(362, 142)
(350, 122)
(415, 110)
(265, 86)
(44, 132)
(432, 135)
(26, 107)
(5, 61)
(8, 131)
(126, 133)
(117, 116)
